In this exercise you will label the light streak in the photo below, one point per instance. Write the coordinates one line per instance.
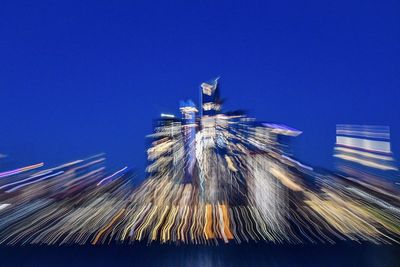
(20, 170)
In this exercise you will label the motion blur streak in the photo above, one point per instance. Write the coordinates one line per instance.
(20, 170)
(213, 177)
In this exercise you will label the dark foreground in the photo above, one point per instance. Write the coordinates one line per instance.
(223, 255)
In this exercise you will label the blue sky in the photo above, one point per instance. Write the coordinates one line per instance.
(82, 77)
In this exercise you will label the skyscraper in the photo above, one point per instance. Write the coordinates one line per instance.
(210, 100)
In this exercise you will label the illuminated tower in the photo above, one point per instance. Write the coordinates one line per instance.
(210, 100)
(365, 145)
(364, 152)
(188, 110)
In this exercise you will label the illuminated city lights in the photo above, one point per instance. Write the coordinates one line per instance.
(213, 177)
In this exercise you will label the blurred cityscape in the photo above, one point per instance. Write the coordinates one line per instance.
(214, 176)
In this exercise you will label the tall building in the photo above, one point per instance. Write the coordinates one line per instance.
(226, 158)
(210, 98)
(363, 153)
(189, 110)
(366, 145)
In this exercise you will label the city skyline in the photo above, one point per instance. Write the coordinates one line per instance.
(216, 177)
(200, 133)
(79, 79)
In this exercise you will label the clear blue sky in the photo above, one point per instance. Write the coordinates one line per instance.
(81, 77)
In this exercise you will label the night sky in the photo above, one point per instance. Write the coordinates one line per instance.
(82, 77)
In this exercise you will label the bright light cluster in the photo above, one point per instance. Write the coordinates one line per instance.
(212, 177)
